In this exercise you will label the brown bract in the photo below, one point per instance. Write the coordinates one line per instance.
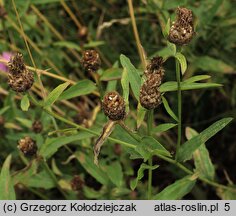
(28, 146)
(77, 183)
(91, 60)
(20, 79)
(114, 106)
(182, 30)
(37, 126)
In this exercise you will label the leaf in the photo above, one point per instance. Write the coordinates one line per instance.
(51, 145)
(140, 115)
(24, 104)
(125, 87)
(166, 29)
(114, 172)
(197, 78)
(7, 191)
(227, 194)
(163, 127)
(172, 86)
(182, 60)
(150, 146)
(39, 2)
(90, 193)
(92, 44)
(54, 95)
(177, 190)
(4, 109)
(111, 74)
(133, 75)
(202, 160)
(67, 44)
(168, 109)
(87, 162)
(172, 48)
(134, 182)
(83, 87)
(209, 64)
(25, 122)
(186, 150)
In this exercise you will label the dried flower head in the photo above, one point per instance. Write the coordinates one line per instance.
(20, 79)
(28, 146)
(155, 66)
(77, 183)
(150, 96)
(114, 106)
(182, 30)
(37, 126)
(91, 60)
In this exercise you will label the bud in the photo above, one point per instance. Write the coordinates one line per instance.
(20, 79)
(150, 96)
(91, 60)
(114, 106)
(28, 146)
(77, 183)
(83, 32)
(182, 30)
(37, 126)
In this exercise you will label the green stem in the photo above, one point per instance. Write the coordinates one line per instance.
(179, 105)
(149, 131)
(181, 166)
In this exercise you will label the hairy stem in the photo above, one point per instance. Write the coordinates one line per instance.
(149, 131)
(179, 105)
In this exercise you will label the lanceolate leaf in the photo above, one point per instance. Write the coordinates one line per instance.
(177, 190)
(133, 75)
(24, 104)
(202, 160)
(197, 78)
(186, 150)
(140, 115)
(54, 95)
(7, 191)
(168, 109)
(172, 86)
(163, 127)
(134, 182)
(83, 87)
(125, 87)
(182, 61)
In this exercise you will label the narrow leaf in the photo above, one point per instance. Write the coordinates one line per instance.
(168, 109)
(24, 104)
(140, 115)
(67, 44)
(176, 190)
(125, 87)
(4, 109)
(134, 182)
(133, 75)
(202, 160)
(54, 95)
(197, 78)
(163, 127)
(83, 87)
(186, 150)
(7, 191)
(182, 60)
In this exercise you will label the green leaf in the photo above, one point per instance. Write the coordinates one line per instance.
(177, 190)
(227, 194)
(182, 60)
(114, 172)
(87, 162)
(51, 145)
(172, 48)
(150, 146)
(163, 127)
(197, 78)
(4, 109)
(202, 160)
(125, 87)
(111, 74)
(133, 75)
(186, 150)
(54, 95)
(90, 193)
(25, 122)
(140, 115)
(172, 86)
(167, 29)
(92, 44)
(7, 191)
(134, 182)
(168, 109)
(83, 87)
(67, 44)
(209, 64)
(24, 104)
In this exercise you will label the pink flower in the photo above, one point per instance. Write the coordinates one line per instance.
(6, 56)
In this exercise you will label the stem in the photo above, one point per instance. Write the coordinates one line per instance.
(149, 131)
(179, 105)
(136, 35)
(181, 166)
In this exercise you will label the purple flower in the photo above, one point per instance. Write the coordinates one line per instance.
(5, 56)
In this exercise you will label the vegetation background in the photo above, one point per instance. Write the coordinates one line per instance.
(57, 32)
